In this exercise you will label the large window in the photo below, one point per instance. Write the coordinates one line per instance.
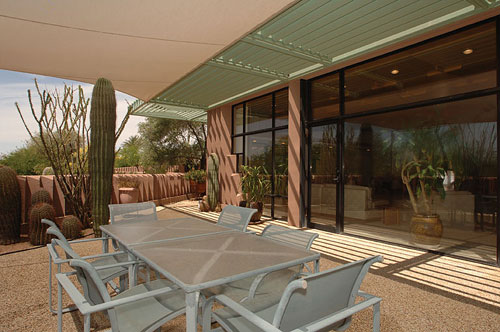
(260, 138)
(409, 142)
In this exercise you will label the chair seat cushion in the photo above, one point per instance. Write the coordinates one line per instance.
(139, 315)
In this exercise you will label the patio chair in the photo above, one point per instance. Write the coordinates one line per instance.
(98, 260)
(132, 212)
(276, 281)
(235, 217)
(142, 308)
(322, 301)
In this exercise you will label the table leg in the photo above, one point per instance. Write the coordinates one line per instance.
(105, 244)
(132, 272)
(192, 311)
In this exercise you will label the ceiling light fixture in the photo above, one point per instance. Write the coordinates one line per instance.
(467, 51)
(395, 72)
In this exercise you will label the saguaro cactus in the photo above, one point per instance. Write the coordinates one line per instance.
(102, 150)
(10, 206)
(213, 181)
(38, 230)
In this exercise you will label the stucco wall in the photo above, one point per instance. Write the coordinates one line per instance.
(159, 188)
(219, 142)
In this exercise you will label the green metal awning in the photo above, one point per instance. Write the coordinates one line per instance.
(307, 37)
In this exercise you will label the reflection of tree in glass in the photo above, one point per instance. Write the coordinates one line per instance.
(472, 151)
(326, 153)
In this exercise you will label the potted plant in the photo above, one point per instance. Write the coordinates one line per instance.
(129, 190)
(427, 177)
(197, 179)
(255, 185)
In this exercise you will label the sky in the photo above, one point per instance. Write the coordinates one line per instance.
(14, 87)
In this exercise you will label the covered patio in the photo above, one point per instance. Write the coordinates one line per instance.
(315, 92)
(420, 291)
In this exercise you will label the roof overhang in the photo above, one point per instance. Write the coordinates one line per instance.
(308, 37)
(141, 46)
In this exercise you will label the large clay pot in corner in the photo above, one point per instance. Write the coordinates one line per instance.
(129, 195)
(426, 230)
(260, 208)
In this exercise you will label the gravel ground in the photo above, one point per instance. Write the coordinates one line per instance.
(405, 307)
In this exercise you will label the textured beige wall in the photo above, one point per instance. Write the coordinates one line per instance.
(294, 153)
(219, 142)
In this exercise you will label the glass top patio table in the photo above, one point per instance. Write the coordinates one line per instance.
(134, 232)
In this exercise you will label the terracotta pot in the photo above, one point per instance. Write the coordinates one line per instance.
(129, 195)
(192, 186)
(260, 208)
(201, 187)
(426, 230)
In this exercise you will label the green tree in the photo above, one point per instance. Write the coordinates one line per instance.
(26, 160)
(169, 142)
(130, 152)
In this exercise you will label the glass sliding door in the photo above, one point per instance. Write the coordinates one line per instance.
(323, 176)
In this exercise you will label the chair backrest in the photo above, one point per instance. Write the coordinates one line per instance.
(63, 242)
(94, 289)
(133, 211)
(291, 236)
(235, 217)
(327, 292)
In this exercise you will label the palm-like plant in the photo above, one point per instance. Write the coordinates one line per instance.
(255, 183)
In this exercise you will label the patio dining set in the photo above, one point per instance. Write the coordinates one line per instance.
(156, 270)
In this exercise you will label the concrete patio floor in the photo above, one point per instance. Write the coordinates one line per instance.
(420, 291)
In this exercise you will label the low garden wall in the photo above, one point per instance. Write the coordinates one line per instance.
(159, 188)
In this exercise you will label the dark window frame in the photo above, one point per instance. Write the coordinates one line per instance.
(342, 117)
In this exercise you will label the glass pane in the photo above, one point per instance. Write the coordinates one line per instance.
(323, 171)
(238, 144)
(238, 119)
(258, 150)
(281, 108)
(281, 174)
(259, 113)
(281, 162)
(455, 64)
(425, 177)
(325, 97)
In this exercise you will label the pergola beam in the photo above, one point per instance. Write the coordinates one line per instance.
(246, 69)
(289, 50)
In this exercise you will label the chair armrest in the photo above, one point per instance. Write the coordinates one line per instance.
(251, 232)
(327, 321)
(86, 308)
(247, 314)
(106, 254)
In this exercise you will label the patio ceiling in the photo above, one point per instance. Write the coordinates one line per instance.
(307, 37)
(141, 46)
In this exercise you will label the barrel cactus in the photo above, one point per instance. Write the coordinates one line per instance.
(41, 196)
(38, 230)
(71, 227)
(102, 150)
(10, 206)
(213, 181)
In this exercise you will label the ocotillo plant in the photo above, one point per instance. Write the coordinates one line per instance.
(213, 181)
(10, 206)
(102, 150)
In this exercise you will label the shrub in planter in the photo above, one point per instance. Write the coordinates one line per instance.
(255, 185)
